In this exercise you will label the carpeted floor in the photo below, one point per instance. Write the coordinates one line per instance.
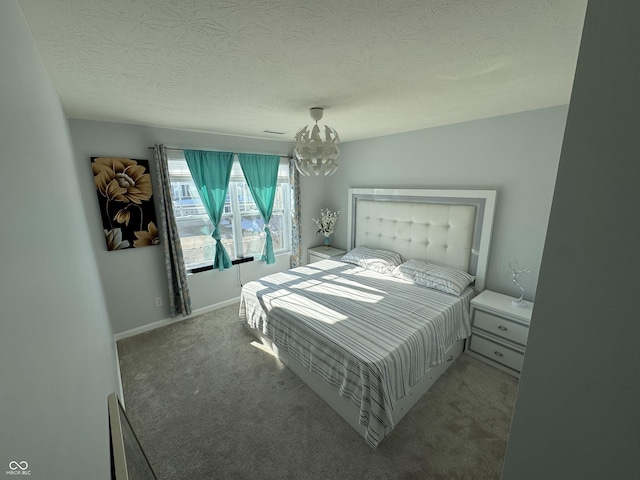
(208, 404)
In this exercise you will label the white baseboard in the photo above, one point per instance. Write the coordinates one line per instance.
(169, 321)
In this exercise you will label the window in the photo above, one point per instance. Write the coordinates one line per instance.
(241, 227)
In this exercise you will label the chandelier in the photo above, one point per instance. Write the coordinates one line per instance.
(316, 148)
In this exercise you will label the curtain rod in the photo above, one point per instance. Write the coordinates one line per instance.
(167, 148)
(182, 149)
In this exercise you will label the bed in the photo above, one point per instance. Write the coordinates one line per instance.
(372, 331)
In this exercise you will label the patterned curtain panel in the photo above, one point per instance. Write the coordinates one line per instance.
(294, 182)
(179, 298)
(261, 174)
(211, 172)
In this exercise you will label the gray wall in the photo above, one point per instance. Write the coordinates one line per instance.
(57, 355)
(515, 154)
(577, 412)
(133, 278)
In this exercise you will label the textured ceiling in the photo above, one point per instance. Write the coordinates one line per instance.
(245, 66)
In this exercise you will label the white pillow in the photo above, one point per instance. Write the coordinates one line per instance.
(445, 279)
(381, 261)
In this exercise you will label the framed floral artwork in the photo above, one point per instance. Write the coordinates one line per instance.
(125, 196)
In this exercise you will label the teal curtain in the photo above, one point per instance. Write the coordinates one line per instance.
(211, 172)
(261, 174)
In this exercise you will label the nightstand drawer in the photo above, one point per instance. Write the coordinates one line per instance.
(315, 258)
(315, 254)
(500, 327)
(496, 352)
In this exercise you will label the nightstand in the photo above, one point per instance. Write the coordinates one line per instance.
(315, 254)
(499, 331)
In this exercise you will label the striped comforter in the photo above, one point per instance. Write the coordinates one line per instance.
(370, 335)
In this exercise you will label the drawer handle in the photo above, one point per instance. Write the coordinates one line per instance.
(499, 354)
(504, 329)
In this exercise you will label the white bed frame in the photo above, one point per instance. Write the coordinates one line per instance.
(432, 225)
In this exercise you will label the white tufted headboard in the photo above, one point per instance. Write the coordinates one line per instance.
(446, 227)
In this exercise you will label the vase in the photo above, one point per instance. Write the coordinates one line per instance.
(327, 241)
